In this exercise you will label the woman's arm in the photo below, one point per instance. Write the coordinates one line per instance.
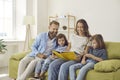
(83, 60)
(69, 46)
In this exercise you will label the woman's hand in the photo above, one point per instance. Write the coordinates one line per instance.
(78, 57)
(83, 62)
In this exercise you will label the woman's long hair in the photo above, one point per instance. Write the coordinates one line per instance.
(85, 27)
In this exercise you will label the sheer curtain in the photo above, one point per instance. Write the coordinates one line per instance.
(7, 17)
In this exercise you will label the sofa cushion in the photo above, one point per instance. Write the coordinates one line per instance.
(113, 50)
(107, 65)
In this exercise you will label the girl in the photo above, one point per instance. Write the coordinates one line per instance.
(41, 67)
(96, 54)
(78, 43)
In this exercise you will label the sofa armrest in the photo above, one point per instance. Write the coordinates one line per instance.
(19, 56)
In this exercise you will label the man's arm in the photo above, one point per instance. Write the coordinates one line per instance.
(36, 44)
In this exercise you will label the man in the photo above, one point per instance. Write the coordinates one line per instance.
(41, 49)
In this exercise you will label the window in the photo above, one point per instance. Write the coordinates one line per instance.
(7, 19)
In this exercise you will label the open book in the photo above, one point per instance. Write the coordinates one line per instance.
(65, 55)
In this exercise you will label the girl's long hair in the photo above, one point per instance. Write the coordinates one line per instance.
(61, 36)
(99, 40)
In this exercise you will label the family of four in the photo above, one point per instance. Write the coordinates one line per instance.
(88, 49)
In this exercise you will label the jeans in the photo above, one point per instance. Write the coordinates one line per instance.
(46, 64)
(53, 69)
(64, 70)
(83, 70)
(39, 66)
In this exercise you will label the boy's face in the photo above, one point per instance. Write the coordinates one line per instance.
(94, 44)
(53, 30)
(61, 41)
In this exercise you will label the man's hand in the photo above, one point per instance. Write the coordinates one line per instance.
(41, 56)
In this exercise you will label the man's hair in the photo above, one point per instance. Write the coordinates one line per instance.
(54, 22)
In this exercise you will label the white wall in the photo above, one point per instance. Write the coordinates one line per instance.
(103, 16)
(42, 15)
(39, 9)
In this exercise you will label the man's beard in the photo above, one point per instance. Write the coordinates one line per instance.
(52, 34)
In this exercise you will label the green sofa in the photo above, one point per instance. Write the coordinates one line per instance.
(104, 70)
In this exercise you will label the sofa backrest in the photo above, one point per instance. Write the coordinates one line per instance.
(113, 50)
(30, 43)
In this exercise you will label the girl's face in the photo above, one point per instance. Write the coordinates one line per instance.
(80, 28)
(94, 44)
(61, 41)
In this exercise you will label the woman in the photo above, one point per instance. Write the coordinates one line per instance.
(78, 44)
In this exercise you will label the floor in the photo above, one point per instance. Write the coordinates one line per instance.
(4, 73)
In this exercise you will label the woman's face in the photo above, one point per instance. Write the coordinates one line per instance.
(80, 28)
(94, 44)
(61, 41)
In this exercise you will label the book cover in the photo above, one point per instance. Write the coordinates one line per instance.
(65, 55)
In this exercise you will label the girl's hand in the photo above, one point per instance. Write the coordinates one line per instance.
(54, 56)
(89, 55)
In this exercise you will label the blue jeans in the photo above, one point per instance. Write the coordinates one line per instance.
(39, 66)
(83, 70)
(64, 70)
(46, 64)
(43, 64)
(53, 69)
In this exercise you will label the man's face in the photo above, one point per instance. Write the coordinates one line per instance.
(53, 30)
